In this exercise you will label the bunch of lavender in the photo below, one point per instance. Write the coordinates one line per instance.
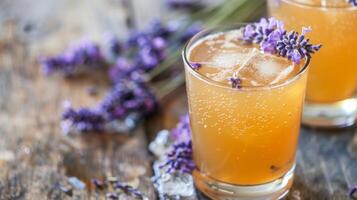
(118, 189)
(179, 157)
(76, 59)
(147, 49)
(127, 97)
(273, 38)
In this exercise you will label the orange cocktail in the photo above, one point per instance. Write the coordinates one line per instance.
(248, 135)
(333, 73)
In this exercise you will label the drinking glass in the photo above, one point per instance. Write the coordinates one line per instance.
(244, 140)
(332, 82)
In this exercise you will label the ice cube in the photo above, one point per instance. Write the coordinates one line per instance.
(264, 69)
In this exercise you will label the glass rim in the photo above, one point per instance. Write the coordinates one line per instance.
(320, 7)
(221, 29)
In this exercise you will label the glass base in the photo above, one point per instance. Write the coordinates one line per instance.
(214, 189)
(331, 115)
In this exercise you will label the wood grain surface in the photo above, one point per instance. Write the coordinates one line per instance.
(35, 158)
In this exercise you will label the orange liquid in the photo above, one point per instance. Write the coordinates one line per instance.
(333, 71)
(243, 136)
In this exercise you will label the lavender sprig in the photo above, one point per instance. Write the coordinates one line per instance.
(352, 2)
(296, 47)
(195, 66)
(82, 120)
(84, 55)
(180, 158)
(273, 38)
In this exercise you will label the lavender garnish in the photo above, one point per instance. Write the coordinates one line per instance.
(352, 2)
(84, 55)
(353, 192)
(296, 47)
(235, 82)
(273, 38)
(195, 66)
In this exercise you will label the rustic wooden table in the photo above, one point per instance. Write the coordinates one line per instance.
(35, 156)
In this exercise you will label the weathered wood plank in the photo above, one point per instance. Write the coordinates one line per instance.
(35, 157)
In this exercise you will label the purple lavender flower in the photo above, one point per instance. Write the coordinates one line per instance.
(296, 47)
(128, 97)
(353, 192)
(180, 158)
(119, 188)
(127, 189)
(75, 59)
(195, 65)
(84, 119)
(182, 4)
(236, 82)
(273, 38)
(182, 131)
(267, 33)
(353, 2)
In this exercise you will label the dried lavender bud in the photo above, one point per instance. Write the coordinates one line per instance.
(273, 38)
(353, 192)
(296, 47)
(236, 82)
(98, 184)
(180, 158)
(82, 56)
(127, 189)
(352, 2)
(83, 120)
(195, 66)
